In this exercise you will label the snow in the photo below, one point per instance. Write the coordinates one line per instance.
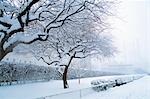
(39, 89)
(138, 89)
(24, 58)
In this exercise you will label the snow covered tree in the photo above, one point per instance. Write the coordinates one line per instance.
(27, 21)
(79, 39)
(14, 18)
(72, 28)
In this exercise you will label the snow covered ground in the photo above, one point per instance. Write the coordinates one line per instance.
(138, 89)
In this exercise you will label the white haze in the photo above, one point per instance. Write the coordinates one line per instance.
(131, 34)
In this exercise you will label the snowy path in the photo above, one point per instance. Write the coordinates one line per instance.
(139, 89)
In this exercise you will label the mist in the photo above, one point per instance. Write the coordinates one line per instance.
(131, 35)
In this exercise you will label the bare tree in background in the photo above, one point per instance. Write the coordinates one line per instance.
(27, 21)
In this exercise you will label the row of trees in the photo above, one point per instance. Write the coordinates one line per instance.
(59, 30)
(15, 73)
(22, 73)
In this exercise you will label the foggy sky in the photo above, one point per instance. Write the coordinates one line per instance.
(131, 33)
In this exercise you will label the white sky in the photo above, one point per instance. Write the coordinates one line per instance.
(131, 33)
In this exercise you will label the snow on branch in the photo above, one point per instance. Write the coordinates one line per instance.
(35, 20)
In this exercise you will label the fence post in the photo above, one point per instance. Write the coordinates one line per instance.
(80, 94)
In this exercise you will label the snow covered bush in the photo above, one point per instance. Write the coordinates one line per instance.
(104, 84)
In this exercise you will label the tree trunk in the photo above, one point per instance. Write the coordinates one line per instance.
(3, 52)
(2, 55)
(66, 71)
(65, 83)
